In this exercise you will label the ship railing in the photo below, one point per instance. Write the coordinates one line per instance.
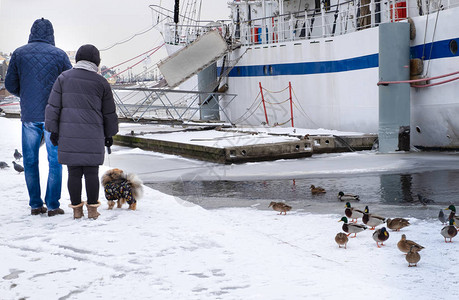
(180, 34)
(331, 20)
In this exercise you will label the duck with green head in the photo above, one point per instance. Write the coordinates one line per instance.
(352, 213)
(380, 236)
(372, 220)
(452, 215)
(351, 228)
(347, 197)
(449, 231)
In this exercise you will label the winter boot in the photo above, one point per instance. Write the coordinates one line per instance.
(92, 211)
(77, 210)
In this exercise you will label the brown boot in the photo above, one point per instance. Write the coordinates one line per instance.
(92, 211)
(77, 210)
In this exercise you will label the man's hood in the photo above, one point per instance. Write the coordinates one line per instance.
(42, 31)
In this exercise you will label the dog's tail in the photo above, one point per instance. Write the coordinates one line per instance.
(136, 184)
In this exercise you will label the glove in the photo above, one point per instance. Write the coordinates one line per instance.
(108, 142)
(54, 138)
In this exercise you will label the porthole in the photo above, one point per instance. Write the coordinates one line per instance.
(265, 70)
(270, 70)
(418, 129)
(453, 46)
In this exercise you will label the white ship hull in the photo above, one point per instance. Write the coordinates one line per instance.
(334, 76)
(348, 100)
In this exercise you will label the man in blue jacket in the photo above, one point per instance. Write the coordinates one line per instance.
(31, 74)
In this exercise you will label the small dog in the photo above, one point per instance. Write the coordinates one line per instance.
(121, 187)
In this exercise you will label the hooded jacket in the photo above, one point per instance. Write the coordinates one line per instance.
(81, 109)
(33, 69)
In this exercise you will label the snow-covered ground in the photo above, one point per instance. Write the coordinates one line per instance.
(172, 249)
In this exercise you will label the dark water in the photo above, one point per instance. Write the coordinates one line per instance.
(389, 195)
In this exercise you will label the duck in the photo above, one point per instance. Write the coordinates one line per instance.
(397, 223)
(280, 207)
(442, 217)
(372, 220)
(352, 228)
(449, 231)
(347, 197)
(452, 215)
(352, 213)
(413, 257)
(404, 245)
(341, 239)
(380, 236)
(317, 190)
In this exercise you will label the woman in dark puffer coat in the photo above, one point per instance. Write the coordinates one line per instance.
(81, 116)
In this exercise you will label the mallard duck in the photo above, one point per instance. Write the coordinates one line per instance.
(341, 239)
(352, 213)
(452, 215)
(280, 207)
(413, 257)
(397, 223)
(372, 220)
(352, 228)
(404, 245)
(449, 231)
(347, 197)
(442, 217)
(317, 190)
(380, 236)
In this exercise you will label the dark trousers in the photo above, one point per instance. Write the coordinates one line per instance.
(91, 180)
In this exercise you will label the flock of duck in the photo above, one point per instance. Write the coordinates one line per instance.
(410, 248)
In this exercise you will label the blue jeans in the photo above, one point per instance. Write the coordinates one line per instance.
(32, 133)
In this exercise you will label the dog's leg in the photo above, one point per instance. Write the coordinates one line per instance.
(111, 204)
(120, 203)
(133, 206)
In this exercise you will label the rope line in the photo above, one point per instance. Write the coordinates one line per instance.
(274, 92)
(422, 79)
(130, 38)
(130, 67)
(274, 103)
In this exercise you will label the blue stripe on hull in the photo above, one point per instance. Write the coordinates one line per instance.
(440, 49)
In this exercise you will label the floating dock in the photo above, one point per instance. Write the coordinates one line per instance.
(228, 145)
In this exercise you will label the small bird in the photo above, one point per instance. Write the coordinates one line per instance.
(372, 220)
(3, 165)
(17, 155)
(380, 236)
(449, 231)
(404, 245)
(18, 167)
(413, 257)
(347, 197)
(352, 213)
(442, 217)
(424, 201)
(341, 239)
(397, 223)
(352, 228)
(317, 190)
(280, 207)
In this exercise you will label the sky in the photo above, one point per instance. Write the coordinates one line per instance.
(172, 249)
(102, 23)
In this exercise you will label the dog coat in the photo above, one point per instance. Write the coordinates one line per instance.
(118, 190)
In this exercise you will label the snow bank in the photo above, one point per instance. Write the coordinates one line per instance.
(172, 249)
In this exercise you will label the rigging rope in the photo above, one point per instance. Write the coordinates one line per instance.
(130, 38)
